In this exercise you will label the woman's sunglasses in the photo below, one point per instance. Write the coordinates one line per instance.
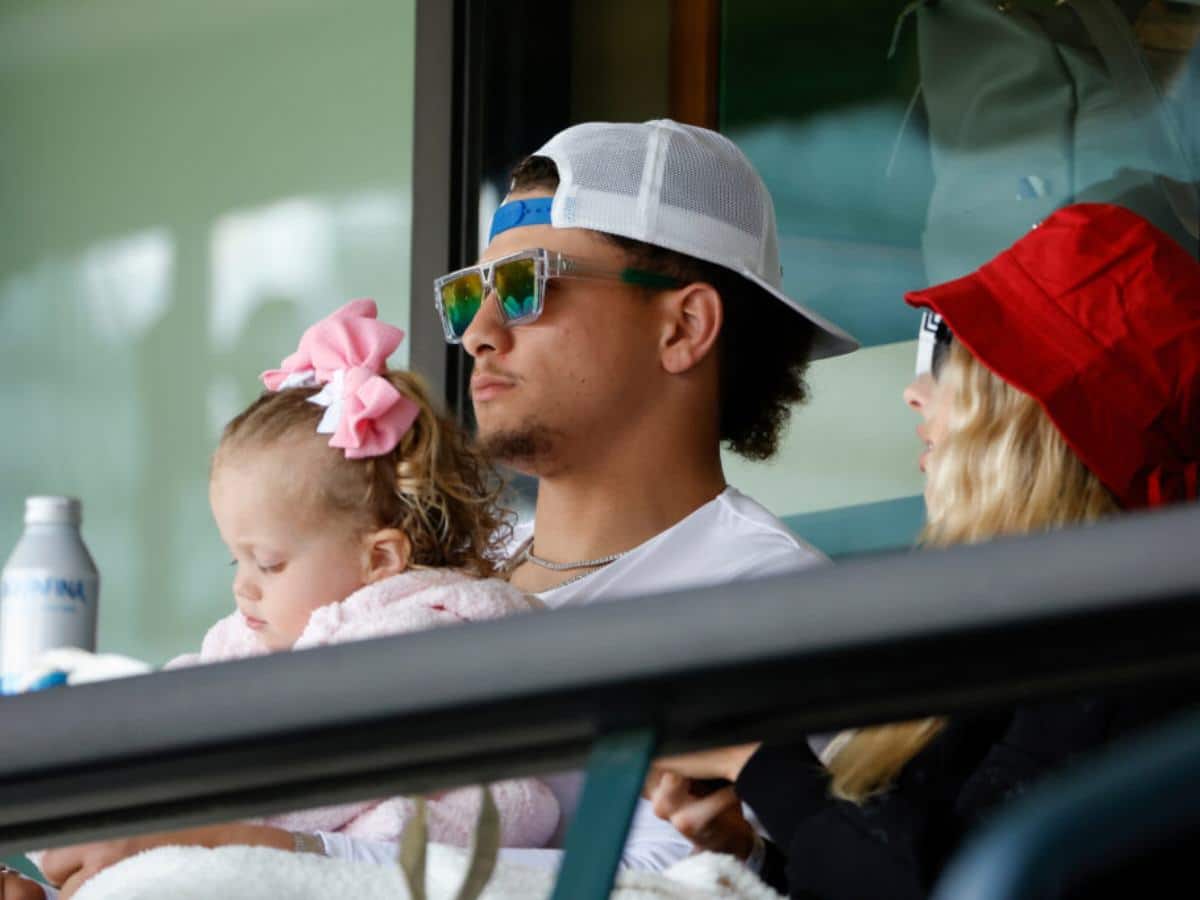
(519, 283)
(933, 344)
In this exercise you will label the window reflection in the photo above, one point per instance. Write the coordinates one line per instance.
(850, 187)
(111, 396)
(308, 253)
(281, 251)
(134, 137)
(127, 284)
(77, 336)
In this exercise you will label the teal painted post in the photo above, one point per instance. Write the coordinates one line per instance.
(22, 865)
(615, 774)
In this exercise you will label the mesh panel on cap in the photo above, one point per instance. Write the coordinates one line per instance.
(610, 160)
(678, 187)
(697, 177)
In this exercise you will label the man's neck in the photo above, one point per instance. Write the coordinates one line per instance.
(596, 513)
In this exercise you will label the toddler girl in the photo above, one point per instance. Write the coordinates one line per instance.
(353, 510)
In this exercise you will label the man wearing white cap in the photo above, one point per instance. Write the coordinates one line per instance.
(626, 319)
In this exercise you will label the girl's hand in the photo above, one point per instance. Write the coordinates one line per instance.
(15, 886)
(721, 762)
(70, 867)
(711, 822)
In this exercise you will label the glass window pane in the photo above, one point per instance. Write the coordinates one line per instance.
(184, 188)
(808, 91)
(906, 144)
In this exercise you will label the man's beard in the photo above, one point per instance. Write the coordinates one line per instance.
(521, 448)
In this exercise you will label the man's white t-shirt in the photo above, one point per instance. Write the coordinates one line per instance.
(729, 538)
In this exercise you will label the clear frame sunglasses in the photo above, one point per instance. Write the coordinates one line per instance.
(519, 283)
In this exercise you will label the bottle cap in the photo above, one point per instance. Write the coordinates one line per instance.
(53, 511)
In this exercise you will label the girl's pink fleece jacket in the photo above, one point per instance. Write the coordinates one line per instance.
(412, 601)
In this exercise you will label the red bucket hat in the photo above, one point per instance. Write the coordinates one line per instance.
(1096, 314)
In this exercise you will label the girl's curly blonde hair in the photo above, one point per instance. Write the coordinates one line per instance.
(434, 486)
(1003, 468)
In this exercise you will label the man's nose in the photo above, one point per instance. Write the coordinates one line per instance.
(487, 332)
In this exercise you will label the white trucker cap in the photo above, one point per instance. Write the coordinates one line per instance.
(684, 188)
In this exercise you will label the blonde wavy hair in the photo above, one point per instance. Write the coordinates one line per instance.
(1003, 468)
(434, 486)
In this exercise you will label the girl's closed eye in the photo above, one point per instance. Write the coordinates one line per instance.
(269, 569)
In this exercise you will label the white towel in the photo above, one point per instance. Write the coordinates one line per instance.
(259, 873)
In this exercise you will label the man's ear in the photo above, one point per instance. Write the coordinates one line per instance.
(385, 553)
(692, 322)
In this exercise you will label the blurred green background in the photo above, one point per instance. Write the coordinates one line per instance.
(184, 187)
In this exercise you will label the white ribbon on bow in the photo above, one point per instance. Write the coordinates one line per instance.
(331, 396)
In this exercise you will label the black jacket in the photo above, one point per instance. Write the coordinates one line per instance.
(895, 845)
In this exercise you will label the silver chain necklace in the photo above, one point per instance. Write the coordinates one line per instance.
(575, 578)
(525, 553)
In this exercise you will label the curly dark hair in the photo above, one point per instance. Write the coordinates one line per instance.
(764, 345)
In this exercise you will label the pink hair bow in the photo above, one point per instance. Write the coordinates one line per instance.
(346, 352)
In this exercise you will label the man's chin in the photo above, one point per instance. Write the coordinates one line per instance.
(520, 448)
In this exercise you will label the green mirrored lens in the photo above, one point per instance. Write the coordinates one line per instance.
(461, 299)
(515, 283)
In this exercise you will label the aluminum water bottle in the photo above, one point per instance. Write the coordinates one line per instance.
(48, 593)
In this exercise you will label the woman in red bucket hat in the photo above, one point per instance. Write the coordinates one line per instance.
(1093, 319)
(1058, 384)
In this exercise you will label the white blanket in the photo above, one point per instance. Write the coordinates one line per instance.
(259, 873)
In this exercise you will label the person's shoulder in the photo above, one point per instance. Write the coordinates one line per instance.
(729, 538)
(752, 523)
